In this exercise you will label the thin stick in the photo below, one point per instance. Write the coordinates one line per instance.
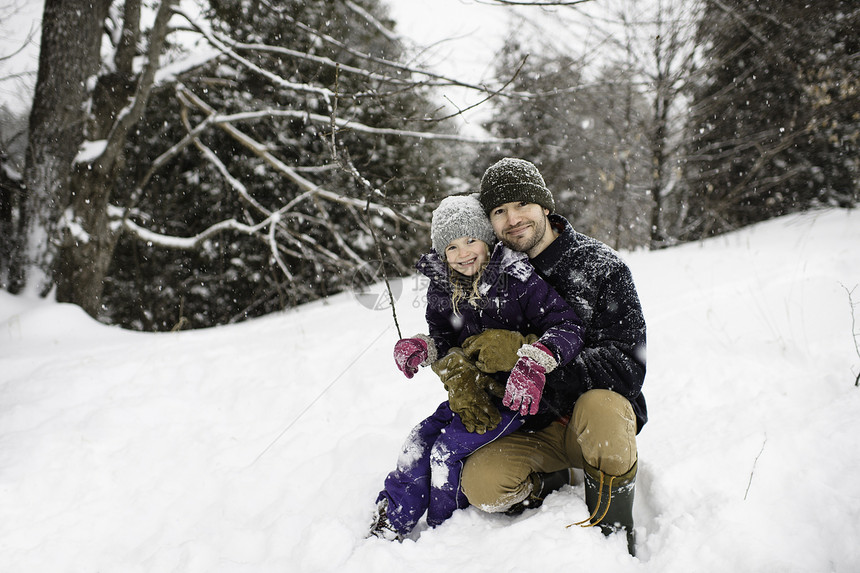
(854, 333)
(347, 165)
(752, 471)
(382, 268)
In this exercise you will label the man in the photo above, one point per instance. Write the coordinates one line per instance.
(591, 410)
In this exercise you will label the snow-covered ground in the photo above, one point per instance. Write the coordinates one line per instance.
(261, 446)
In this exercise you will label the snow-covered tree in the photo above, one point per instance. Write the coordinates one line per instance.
(291, 124)
(279, 148)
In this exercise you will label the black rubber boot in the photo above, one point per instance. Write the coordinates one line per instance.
(610, 500)
(543, 484)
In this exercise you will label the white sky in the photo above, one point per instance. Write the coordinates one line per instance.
(461, 36)
(19, 27)
(460, 39)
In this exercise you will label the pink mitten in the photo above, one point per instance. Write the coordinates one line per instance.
(409, 353)
(527, 379)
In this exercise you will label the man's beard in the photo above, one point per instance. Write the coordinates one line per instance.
(526, 243)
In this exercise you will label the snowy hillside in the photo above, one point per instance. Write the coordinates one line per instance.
(260, 447)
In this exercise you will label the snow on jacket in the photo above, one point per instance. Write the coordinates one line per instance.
(599, 286)
(513, 297)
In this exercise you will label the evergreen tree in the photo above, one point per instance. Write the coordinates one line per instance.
(774, 125)
(323, 246)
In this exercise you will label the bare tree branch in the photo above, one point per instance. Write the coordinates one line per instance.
(134, 111)
(440, 79)
(371, 20)
(346, 124)
(274, 78)
(190, 243)
(855, 333)
(292, 174)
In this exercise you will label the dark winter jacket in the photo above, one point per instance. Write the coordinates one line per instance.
(599, 285)
(514, 297)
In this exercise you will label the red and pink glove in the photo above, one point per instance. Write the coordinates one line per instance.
(409, 353)
(528, 377)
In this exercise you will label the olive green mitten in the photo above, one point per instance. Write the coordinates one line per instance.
(495, 349)
(467, 395)
(472, 403)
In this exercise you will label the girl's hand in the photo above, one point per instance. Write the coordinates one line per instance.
(409, 353)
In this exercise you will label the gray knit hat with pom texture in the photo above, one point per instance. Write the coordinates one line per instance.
(511, 179)
(459, 216)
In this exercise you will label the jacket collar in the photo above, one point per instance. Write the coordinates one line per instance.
(562, 244)
(502, 261)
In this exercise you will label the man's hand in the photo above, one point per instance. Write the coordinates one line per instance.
(472, 404)
(495, 350)
(467, 395)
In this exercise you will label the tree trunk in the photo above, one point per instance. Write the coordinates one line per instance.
(10, 193)
(68, 58)
(71, 233)
(658, 170)
(84, 257)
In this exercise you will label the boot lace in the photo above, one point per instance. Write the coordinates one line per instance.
(590, 521)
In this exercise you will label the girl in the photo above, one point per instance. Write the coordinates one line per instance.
(470, 290)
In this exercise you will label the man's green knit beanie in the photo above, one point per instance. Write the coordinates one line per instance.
(511, 179)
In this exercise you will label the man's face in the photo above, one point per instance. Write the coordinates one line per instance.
(521, 226)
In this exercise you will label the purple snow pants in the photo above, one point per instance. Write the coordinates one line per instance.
(428, 471)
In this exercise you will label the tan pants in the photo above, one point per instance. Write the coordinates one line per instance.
(602, 432)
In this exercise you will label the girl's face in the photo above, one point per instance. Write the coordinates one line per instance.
(467, 255)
